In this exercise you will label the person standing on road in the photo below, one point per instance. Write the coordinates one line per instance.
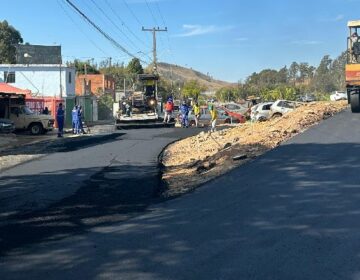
(196, 109)
(214, 115)
(75, 119)
(60, 117)
(80, 124)
(169, 108)
(184, 109)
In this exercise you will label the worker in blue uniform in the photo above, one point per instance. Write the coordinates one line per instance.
(60, 117)
(184, 109)
(80, 123)
(75, 119)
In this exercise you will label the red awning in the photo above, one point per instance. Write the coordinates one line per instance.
(6, 88)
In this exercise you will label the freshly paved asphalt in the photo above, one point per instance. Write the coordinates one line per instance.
(293, 213)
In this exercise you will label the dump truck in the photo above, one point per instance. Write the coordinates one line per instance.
(141, 106)
(352, 68)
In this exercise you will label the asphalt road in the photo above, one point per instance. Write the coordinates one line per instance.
(83, 182)
(293, 213)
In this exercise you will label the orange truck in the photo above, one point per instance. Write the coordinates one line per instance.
(352, 68)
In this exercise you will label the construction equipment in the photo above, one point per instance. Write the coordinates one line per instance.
(141, 106)
(352, 69)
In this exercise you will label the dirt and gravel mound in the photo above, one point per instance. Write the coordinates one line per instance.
(205, 156)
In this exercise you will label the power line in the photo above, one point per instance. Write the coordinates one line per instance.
(123, 23)
(133, 14)
(168, 39)
(82, 31)
(107, 36)
(116, 26)
(161, 16)
(154, 30)
(152, 14)
(154, 18)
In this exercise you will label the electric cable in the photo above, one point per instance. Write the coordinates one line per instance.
(107, 36)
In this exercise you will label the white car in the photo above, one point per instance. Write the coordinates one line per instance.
(281, 107)
(260, 112)
(338, 95)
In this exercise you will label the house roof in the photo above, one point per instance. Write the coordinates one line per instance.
(6, 88)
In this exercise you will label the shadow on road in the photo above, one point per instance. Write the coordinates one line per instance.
(293, 213)
(61, 145)
(110, 196)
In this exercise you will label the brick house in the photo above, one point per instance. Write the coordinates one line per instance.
(95, 84)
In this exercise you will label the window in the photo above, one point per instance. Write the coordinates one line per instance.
(14, 110)
(267, 107)
(232, 107)
(9, 77)
(69, 77)
(280, 104)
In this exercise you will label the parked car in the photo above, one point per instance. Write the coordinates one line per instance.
(25, 119)
(338, 95)
(281, 107)
(236, 108)
(6, 126)
(260, 112)
(307, 98)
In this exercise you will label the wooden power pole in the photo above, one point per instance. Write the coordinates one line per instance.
(154, 30)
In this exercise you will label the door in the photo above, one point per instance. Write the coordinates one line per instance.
(18, 117)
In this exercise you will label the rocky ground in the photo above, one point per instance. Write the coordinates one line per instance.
(195, 160)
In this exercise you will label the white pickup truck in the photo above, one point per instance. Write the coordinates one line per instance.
(25, 119)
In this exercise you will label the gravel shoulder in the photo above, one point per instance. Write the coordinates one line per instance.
(190, 162)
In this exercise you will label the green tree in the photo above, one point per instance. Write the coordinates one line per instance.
(282, 76)
(338, 71)
(80, 67)
(118, 72)
(164, 89)
(227, 94)
(105, 106)
(293, 72)
(323, 80)
(192, 89)
(9, 38)
(135, 67)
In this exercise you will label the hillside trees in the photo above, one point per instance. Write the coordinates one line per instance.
(192, 89)
(9, 37)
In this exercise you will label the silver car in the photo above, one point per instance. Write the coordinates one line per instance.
(6, 126)
(260, 112)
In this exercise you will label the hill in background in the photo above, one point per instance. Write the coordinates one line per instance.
(179, 74)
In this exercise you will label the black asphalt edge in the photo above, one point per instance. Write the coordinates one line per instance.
(56, 141)
(143, 125)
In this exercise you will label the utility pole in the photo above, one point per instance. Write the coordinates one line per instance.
(110, 58)
(86, 82)
(154, 30)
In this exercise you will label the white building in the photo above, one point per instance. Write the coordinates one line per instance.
(44, 80)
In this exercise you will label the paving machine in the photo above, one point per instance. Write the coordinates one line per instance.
(141, 106)
(352, 68)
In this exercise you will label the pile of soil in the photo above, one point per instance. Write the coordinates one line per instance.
(207, 155)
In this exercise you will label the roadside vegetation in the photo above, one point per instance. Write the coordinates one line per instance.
(291, 82)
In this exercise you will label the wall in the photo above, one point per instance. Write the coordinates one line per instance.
(99, 83)
(42, 80)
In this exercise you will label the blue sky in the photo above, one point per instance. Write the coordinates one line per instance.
(228, 39)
